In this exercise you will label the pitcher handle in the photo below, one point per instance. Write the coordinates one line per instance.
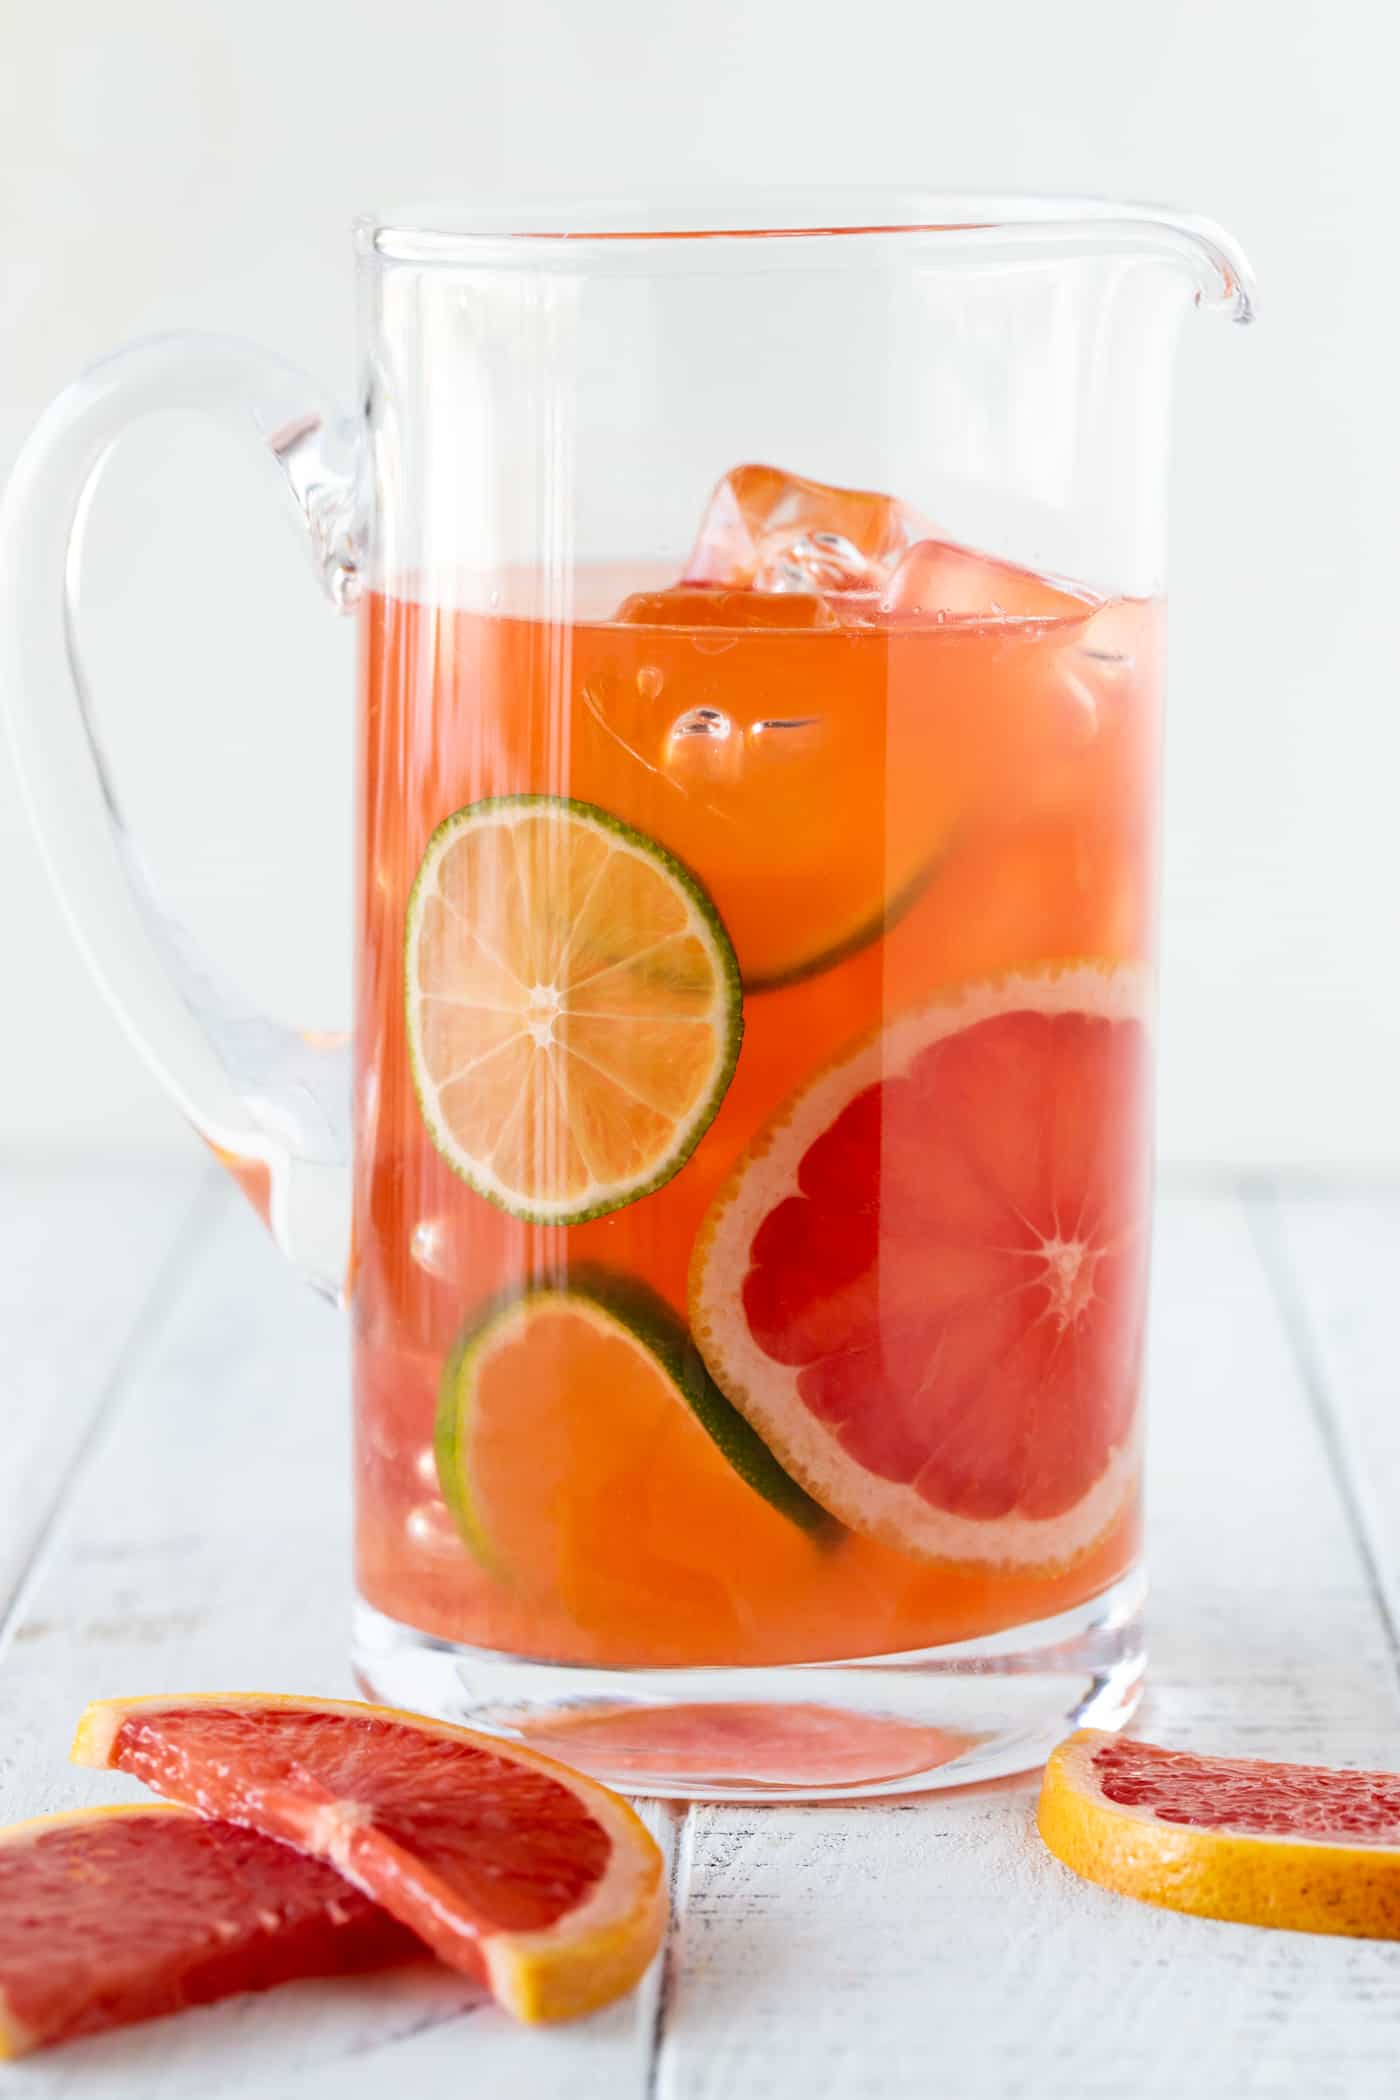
(272, 1101)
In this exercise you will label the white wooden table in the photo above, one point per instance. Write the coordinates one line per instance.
(173, 1515)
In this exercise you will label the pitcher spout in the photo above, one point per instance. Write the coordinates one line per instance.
(1196, 249)
(1219, 269)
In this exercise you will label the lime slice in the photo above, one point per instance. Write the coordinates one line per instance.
(553, 1399)
(573, 1006)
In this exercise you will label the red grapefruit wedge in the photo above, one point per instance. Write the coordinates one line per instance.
(925, 1282)
(524, 1874)
(109, 1915)
(1305, 1847)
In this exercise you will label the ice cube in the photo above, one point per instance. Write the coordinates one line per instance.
(775, 532)
(939, 581)
(1116, 656)
(1123, 636)
(711, 605)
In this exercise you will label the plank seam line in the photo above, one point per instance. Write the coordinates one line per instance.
(193, 1230)
(678, 1890)
(1260, 1197)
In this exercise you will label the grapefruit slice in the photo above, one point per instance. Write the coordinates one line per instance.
(925, 1284)
(1299, 1846)
(510, 1867)
(110, 1915)
(573, 1006)
(547, 1388)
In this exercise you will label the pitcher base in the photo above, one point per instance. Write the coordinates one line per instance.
(891, 1724)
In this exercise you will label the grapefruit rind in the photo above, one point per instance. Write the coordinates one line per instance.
(703, 921)
(15, 2038)
(766, 1174)
(588, 1957)
(627, 1310)
(1297, 1884)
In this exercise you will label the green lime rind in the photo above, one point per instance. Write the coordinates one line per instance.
(627, 1307)
(865, 935)
(731, 987)
(448, 1427)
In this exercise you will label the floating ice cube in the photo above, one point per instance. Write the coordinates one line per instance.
(815, 561)
(692, 606)
(1115, 654)
(1122, 635)
(937, 580)
(779, 533)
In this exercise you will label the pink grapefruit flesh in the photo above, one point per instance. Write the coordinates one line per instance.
(110, 1915)
(925, 1283)
(1250, 1795)
(514, 1869)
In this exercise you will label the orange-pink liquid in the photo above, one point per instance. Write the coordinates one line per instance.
(894, 808)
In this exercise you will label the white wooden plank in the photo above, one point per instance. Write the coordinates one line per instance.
(896, 1948)
(933, 1947)
(80, 1252)
(206, 1547)
(1336, 1257)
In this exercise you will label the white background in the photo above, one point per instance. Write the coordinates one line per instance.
(163, 165)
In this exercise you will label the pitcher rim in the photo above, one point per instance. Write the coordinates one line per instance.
(572, 232)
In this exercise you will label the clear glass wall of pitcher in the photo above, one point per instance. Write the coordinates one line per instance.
(742, 1198)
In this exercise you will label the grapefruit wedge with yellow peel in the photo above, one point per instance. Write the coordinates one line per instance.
(115, 1914)
(925, 1282)
(572, 1005)
(510, 1867)
(1305, 1847)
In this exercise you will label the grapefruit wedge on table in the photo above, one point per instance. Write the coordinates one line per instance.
(508, 1866)
(924, 1284)
(1256, 1843)
(110, 1915)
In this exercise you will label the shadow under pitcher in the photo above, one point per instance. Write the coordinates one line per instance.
(739, 1171)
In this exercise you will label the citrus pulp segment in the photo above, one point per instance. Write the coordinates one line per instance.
(529, 1439)
(116, 1914)
(510, 1867)
(1300, 1846)
(924, 1284)
(573, 1006)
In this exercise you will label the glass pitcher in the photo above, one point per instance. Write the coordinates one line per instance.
(740, 1176)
